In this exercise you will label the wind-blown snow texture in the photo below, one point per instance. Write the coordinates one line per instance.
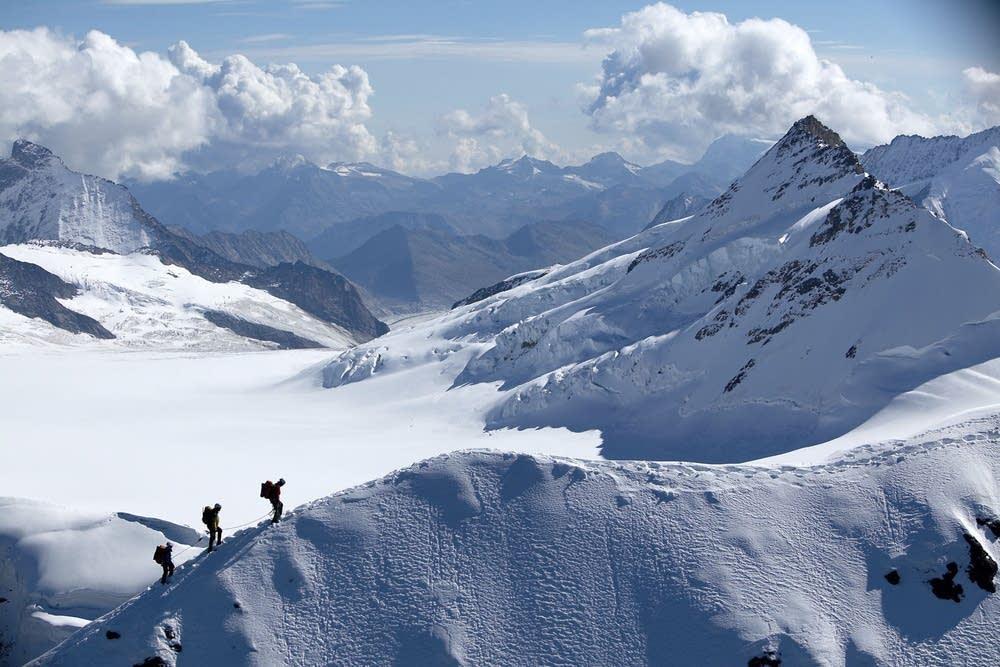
(489, 558)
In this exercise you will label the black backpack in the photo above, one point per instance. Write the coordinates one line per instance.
(267, 489)
(160, 555)
(206, 515)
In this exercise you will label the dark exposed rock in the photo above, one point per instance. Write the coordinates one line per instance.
(286, 340)
(852, 352)
(982, 568)
(945, 587)
(329, 296)
(111, 634)
(497, 288)
(769, 659)
(254, 248)
(152, 661)
(738, 378)
(665, 252)
(168, 632)
(892, 576)
(30, 290)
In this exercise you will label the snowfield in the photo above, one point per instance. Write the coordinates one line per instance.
(491, 558)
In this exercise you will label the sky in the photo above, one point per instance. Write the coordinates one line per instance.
(150, 88)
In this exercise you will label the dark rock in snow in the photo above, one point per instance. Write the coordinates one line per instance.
(893, 577)
(152, 661)
(111, 634)
(982, 568)
(497, 288)
(285, 340)
(945, 587)
(32, 291)
(766, 660)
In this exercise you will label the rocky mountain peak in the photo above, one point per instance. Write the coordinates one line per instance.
(810, 126)
(30, 155)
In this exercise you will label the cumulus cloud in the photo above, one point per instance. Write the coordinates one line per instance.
(983, 87)
(115, 112)
(675, 81)
(500, 129)
(280, 109)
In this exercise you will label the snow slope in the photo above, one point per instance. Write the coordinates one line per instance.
(956, 178)
(491, 558)
(148, 304)
(62, 567)
(790, 310)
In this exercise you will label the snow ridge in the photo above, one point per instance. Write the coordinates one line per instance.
(490, 558)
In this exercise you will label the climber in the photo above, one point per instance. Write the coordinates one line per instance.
(272, 491)
(163, 556)
(210, 517)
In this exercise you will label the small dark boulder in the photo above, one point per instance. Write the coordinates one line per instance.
(153, 661)
(111, 634)
(769, 659)
(945, 587)
(893, 577)
(982, 568)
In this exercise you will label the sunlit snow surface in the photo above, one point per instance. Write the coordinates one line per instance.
(164, 433)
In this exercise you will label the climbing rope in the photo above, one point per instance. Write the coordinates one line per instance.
(225, 528)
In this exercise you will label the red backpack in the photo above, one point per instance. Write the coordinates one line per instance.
(160, 555)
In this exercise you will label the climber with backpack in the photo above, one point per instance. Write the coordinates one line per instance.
(272, 492)
(164, 557)
(210, 517)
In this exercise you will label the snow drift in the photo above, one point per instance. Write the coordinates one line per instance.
(884, 556)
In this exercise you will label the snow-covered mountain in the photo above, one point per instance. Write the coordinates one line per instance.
(884, 557)
(791, 309)
(956, 178)
(40, 199)
(140, 269)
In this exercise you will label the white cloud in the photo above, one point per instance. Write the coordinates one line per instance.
(501, 129)
(676, 80)
(99, 104)
(112, 111)
(983, 87)
(280, 109)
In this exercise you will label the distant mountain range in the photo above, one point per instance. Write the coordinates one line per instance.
(416, 269)
(310, 201)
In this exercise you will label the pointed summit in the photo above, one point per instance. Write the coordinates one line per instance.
(29, 154)
(811, 127)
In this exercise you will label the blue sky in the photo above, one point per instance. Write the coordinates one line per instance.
(426, 60)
